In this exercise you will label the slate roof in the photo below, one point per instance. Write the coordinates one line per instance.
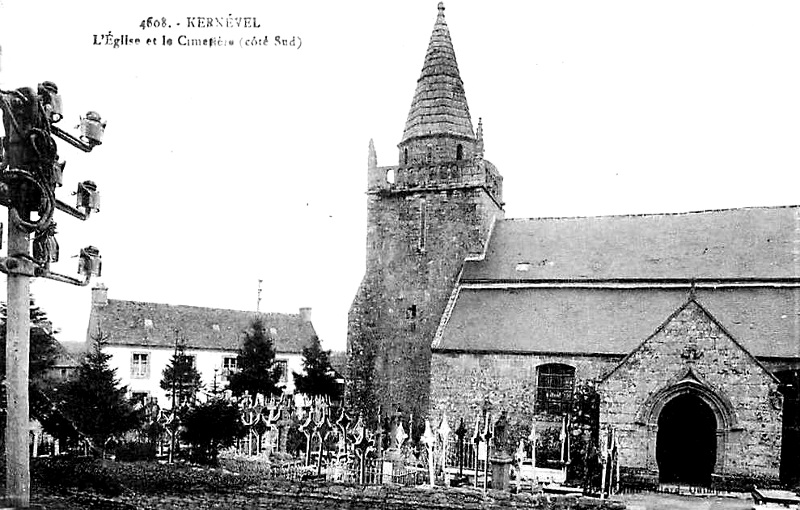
(69, 354)
(766, 321)
(577, 294)
(125, 323)
(440, 104)
(749, 243)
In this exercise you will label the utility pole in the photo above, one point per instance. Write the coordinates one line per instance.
(29, 174)
(18, 333)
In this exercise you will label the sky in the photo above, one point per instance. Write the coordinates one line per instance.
(223, 166)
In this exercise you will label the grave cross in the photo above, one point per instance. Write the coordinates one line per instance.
(429, 439)
(461, 432)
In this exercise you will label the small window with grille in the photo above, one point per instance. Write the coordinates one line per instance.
(555, 384)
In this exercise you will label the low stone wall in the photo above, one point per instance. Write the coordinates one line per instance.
(307, 496)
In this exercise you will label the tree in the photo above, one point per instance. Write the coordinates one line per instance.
(585, 436)
(210, 426)
(181, 377)
(257, 371)
(95, 402)
(319, 378)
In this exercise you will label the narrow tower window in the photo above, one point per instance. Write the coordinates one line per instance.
(423, 224)
(459, 152)
(430, 154)
(405, 156)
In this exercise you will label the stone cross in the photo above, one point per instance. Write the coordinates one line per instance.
(362, 445)
(487, 435)
(399, 436)
(476, 440)
(444, 434)
(461, 433)
(343, 423)
(429, 439)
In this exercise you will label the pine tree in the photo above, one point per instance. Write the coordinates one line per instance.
(319, 378)
(210, 426)
(256, 368)
(181, 376)
(94, 401)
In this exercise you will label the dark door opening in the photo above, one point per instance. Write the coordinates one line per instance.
(686, 446)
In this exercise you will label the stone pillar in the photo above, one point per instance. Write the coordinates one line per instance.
(719, 463)
(501, 471)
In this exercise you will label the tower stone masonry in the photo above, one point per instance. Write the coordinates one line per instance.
(425, 216)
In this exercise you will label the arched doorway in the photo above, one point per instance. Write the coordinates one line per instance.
(686, 446)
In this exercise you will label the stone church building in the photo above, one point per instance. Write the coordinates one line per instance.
(687, 325)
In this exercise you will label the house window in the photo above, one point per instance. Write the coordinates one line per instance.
(140, 397)
(554, 386)
(229, 366)
(140, 365)
(283, 366)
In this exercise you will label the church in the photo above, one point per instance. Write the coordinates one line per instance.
(687, 325)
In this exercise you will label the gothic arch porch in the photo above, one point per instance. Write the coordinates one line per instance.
(686, 444)
(688, 426)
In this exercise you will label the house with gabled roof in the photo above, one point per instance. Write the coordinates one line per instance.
(141, 338)
(687, 325)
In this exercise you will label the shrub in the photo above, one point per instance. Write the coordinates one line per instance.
(132, 451)
(210, 426)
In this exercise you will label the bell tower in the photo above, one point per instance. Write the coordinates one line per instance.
(425, 215)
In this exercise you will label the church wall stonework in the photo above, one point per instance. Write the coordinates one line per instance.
(692, 354)
(462, 383)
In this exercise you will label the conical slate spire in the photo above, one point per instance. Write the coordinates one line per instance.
(440, 105)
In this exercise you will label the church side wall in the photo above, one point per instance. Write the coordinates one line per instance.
(462, 382)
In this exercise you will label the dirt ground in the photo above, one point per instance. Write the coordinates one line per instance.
(676, 502)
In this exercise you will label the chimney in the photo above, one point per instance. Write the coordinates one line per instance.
(305, 314)
(99, 295)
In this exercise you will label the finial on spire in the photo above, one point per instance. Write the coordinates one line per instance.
(441, 7)
(372, 160)
(479, 138)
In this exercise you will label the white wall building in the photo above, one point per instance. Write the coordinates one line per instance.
(141, 340)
